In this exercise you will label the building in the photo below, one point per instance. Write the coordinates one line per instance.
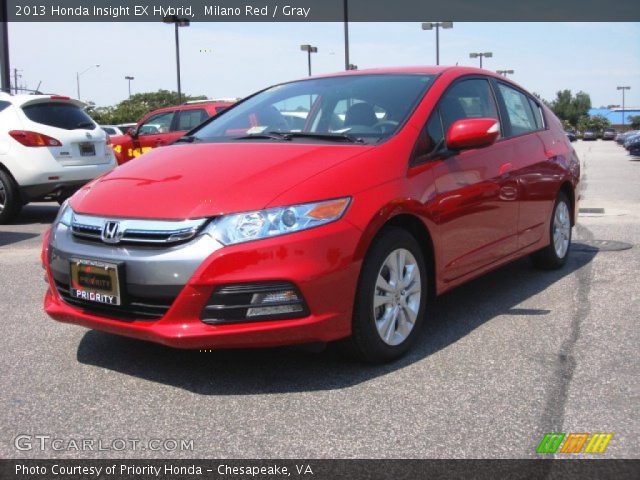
(614, 115)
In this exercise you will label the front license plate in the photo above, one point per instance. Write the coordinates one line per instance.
(87, 149)
(95, 281)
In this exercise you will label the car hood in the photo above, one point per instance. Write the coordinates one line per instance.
(203, 180)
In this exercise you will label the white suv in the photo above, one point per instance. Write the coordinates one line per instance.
(49, 148)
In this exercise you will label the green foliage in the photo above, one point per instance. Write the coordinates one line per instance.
(539, 97)
(131, 109)
(635, 122)
(569, 107)
(597, 123)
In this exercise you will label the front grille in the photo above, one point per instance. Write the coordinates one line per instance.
(251, 302)
(135, 231)
(134, 308)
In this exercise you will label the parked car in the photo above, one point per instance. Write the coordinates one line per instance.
(111, 130)
(163, 126)
(247, 234)
(49, 147)
(571, 136)
(631, 138)
(590, 135)
(633, 144)
(609, 134)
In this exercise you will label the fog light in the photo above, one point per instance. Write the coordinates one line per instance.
(251, 302)
(283, 309)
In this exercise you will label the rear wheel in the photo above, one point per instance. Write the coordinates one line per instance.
(10, 202)
(391, 298)
(556, 253)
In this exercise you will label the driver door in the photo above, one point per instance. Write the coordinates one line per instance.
(154, 132)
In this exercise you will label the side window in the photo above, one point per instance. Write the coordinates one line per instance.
(189, 119)
(537, 114)
(160, 123)
(3, 105)
(519, 112)
(467, 99)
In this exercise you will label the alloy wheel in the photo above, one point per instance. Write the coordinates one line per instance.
(397, 296)
(561, 229)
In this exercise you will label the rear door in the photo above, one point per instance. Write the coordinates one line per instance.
(83, 142)
(525, 132)
(476, 192)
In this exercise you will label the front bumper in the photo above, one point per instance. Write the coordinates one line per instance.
(319, 262)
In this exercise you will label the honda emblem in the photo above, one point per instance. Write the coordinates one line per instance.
(111, 232)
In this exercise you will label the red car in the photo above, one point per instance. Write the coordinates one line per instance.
(164, 126)
(400, 185)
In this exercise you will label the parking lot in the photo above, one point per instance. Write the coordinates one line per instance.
(503, 360)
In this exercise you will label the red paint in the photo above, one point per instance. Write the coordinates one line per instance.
(481, 209)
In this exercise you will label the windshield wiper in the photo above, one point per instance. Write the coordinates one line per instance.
(187, 139)
(333, 137)
(264, 136)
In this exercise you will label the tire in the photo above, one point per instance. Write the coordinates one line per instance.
(555, 255)
(10, 201)
(402, 311)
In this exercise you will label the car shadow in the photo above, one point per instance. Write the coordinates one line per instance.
(34, 213)
(9, 238)
(278, 370)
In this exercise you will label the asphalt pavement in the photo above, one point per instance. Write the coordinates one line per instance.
(503, 360)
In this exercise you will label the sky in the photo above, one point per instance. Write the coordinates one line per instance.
(222, 60)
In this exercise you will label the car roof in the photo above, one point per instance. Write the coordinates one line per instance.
(22, 99)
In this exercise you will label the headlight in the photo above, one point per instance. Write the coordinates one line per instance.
(244, 227)
(65, 215)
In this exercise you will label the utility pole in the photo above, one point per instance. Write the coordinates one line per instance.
(5, 75)
(15, 80)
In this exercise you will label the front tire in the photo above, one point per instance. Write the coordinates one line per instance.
(10, 202)
(555, 255)
(391, 298)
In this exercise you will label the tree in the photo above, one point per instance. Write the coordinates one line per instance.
(131, 109)
(596, 123)
(635, 122)
(569, 107)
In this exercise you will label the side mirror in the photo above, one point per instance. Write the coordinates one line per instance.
(471, 133)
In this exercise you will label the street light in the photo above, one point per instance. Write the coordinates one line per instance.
(177, 22)
(480, 55)
(505, 72)
(128, 78)
(309, 49)
(82, 73)
(437, 26)
(623, 89)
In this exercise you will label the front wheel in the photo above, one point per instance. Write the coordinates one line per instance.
(391, 298)
(555, 254)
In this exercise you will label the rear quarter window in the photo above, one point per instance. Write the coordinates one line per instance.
(59, 115)
(4, 105)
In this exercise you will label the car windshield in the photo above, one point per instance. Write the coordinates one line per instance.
(362, 108)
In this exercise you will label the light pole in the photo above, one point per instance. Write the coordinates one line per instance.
(309, 49)
(82, 73)
(129, 78)
(346, 34)
(437, 26)
(505, 72)
(623, 89)
(480, 55)
(177, 22)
